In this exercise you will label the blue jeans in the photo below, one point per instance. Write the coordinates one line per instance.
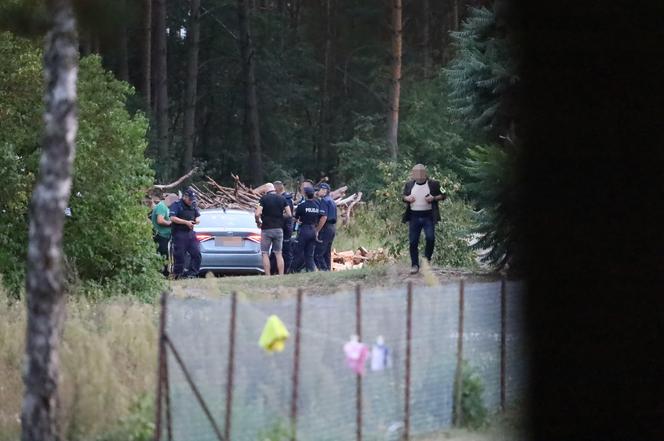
(323, 255)
(415, 227)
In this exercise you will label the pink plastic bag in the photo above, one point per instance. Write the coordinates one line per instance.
(357, 355)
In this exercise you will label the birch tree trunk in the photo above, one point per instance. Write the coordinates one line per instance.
(44, 278)
(147, 52)
(161, 89)
(193, 37)
(251, 120)
(395, 86)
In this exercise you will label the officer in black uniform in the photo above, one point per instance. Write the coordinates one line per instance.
(184, 215)
(298, 260)
(308, 213)
(323, 254)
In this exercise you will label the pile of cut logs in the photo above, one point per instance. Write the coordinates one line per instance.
(347, 260)
(242, 197)
(213, 195)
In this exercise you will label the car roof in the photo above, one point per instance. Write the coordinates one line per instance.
(232, 211)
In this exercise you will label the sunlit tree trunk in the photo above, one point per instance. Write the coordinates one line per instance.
(323, 117)
(44, 277)
(147, 52)
(251, 120)
(193, 37)
(395, 86)
(161, 89)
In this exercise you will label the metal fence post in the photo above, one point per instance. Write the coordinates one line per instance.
(296, 365)
(358, 331)
(458, 383)
(409, 337)
(503, 343)
(161, 348)
(230, 370)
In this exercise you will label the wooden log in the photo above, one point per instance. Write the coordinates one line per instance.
(347, 200)
(346, 219)
(176, 183)
(339, 192)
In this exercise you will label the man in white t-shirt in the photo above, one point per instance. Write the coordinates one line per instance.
(421, 196)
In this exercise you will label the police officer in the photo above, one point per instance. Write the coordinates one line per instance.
(298, 260)
(184, 215)
(328, 229)
(308, 213)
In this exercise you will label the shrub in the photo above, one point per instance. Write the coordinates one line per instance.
(108, 238)
(473, 411)
(493, 186)
(20, 122)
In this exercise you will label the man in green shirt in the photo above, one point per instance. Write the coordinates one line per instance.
(161, 225)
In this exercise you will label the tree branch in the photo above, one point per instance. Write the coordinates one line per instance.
(176, 183)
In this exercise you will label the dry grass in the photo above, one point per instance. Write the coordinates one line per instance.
(108, 358)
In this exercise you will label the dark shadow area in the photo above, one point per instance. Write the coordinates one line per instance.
(593, 170)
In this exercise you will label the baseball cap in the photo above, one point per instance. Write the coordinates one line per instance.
(324, 186)
(190, 193)
(309, 191)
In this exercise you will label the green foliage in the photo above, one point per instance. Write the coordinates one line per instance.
(474, 414)
(481, 78)
(20, 122)
(279, 431)
(480, 73)
(360, 158)
(427, 135)
(108, 239)
(493, 186)
(427, 132)
(138, 425)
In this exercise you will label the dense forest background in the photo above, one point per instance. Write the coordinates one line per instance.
(267, 89)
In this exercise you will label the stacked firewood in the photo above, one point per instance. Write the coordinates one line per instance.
(213, 195)
(242, 197)
(347, 260)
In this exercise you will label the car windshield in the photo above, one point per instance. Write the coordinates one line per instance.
(227, 220)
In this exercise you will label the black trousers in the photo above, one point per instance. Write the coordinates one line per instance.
(162, 249)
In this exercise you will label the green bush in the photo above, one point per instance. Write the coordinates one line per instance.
(493, 187)
(474, 414)
(108, 239)
(278, 431)
(20, 122)
(139, 425)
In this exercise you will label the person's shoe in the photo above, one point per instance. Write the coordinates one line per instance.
(414, 269)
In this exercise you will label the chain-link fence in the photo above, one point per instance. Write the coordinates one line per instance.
(211, 357)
